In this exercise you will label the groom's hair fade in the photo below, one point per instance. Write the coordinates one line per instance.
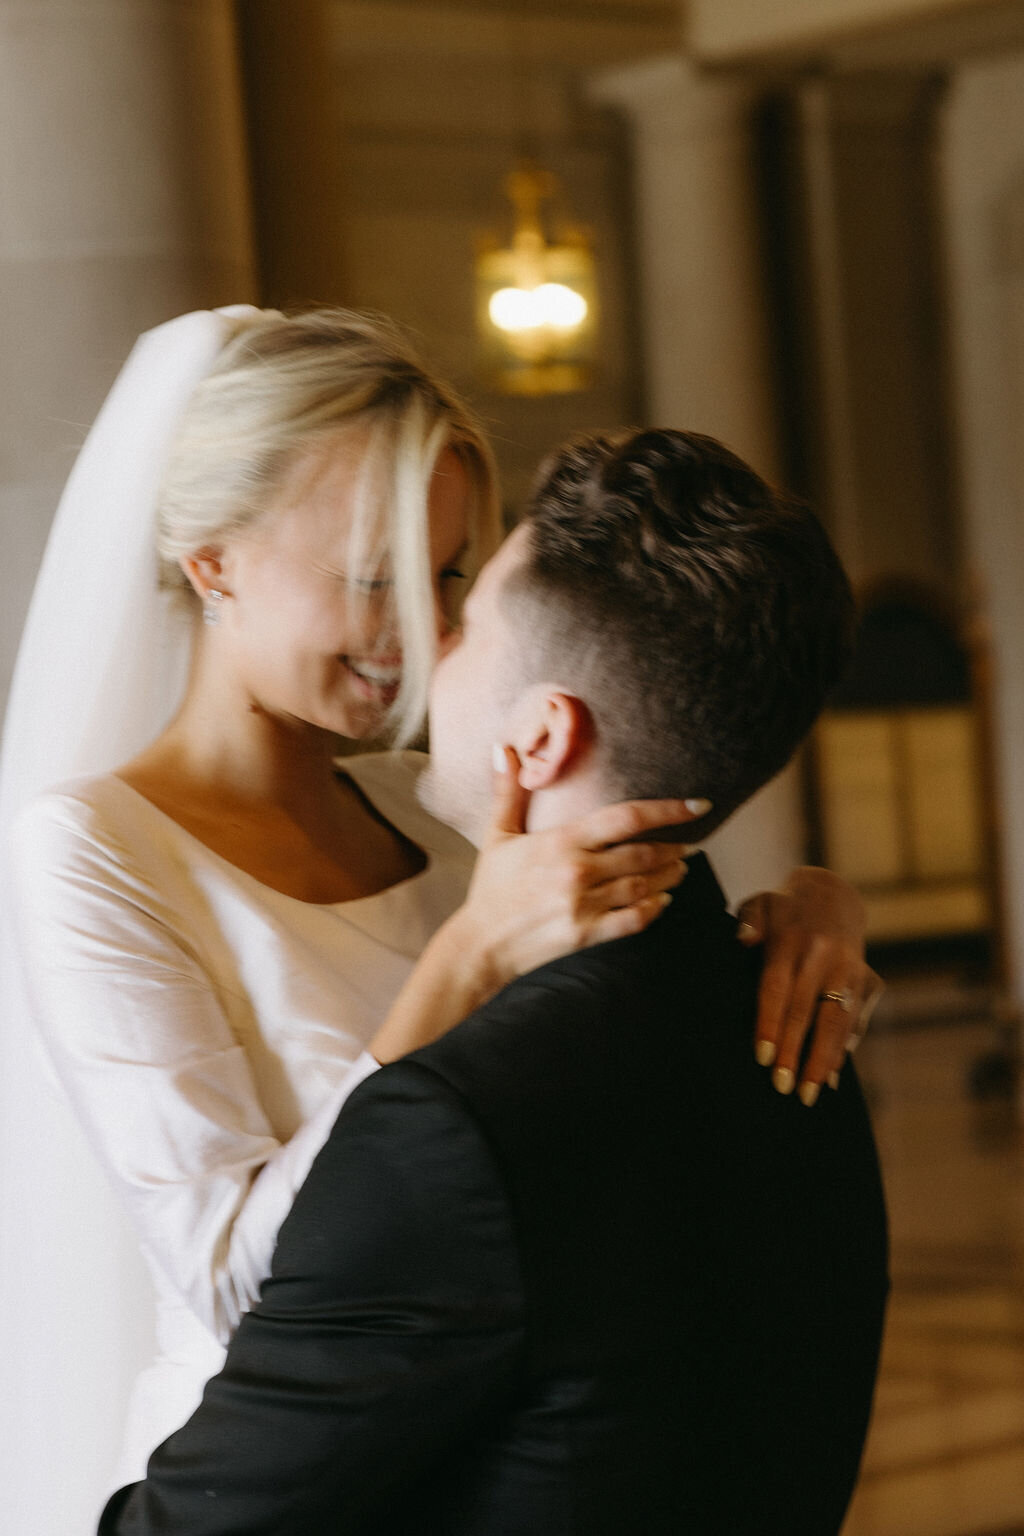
(701, 615)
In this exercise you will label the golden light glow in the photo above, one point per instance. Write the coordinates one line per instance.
(536, 299)
(528, 309)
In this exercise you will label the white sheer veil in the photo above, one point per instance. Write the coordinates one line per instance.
(100, 670)
(103, 655)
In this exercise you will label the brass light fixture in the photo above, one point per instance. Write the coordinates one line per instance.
(536, 300)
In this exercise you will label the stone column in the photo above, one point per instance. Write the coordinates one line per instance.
(123, 201)
(705, 338)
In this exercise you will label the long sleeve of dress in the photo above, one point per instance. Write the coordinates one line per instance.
(392, 1329)
(138, 1034)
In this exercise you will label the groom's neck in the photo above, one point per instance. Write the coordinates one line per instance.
(565, 801)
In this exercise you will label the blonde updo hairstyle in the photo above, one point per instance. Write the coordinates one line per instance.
(284, 386)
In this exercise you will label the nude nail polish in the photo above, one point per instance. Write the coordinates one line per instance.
(765, 1051)
(783, 1080)
(809, 1093)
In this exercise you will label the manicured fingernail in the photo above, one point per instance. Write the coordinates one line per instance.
(663, 898)
(833, 1079)
(852, 1043)
(809, 1093)
(498, 758)
(765, 1051)
(698, 807)
(745, 932)
(783, 1080)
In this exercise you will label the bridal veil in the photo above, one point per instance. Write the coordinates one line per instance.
(100, 670)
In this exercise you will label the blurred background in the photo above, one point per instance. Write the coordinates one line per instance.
(795, 224)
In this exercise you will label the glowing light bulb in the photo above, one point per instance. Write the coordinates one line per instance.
(560, 306)
(527, 309)
(512, 309)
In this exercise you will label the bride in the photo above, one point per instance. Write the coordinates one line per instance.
(221, 929)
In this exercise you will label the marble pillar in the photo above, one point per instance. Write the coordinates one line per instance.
(123, 201)
(705, 338)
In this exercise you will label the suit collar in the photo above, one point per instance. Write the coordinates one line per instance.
(700, 889)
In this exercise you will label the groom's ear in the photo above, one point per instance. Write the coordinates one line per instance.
(555, 731)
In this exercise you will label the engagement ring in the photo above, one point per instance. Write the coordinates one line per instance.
(844, 998)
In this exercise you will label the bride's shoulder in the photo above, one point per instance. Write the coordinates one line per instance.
(93, 815)
(90, 798)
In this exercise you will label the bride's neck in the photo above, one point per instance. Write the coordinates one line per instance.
(222, 746)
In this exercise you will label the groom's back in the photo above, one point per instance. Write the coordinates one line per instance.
(704, 1261)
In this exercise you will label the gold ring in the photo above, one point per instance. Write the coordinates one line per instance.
(844, 998)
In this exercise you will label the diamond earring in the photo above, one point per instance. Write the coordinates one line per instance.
(211, 610)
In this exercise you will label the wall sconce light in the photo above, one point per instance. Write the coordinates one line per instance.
(536, 301)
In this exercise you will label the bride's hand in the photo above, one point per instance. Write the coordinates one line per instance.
(815, 975)
(535, 896)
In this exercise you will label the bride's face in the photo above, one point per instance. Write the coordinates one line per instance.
(307, 637)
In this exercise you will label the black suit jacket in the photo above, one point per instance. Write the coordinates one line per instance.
(573, 1270)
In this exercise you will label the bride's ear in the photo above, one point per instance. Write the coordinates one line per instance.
(204, 570)
(556, 732)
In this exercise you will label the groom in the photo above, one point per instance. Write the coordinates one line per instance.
(576, 1269)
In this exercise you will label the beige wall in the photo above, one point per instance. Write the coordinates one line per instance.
(124, 202)
(983, 183)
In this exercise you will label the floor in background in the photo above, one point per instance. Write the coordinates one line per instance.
(946, 1452)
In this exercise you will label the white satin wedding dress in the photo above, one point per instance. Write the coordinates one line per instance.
(206, 1030)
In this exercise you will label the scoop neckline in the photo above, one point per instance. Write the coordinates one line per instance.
(429, 866)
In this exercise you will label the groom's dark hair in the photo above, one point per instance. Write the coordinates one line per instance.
(701, 615)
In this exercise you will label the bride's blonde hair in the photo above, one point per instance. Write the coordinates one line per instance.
(286, 385)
